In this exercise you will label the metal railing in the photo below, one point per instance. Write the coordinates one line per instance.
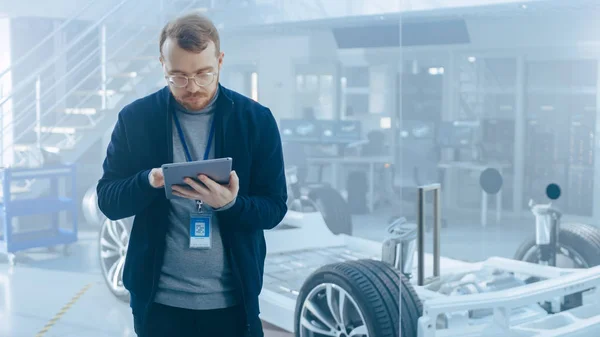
(27, 104)
(34, 74)
(48, 37)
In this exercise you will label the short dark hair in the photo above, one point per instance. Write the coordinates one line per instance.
(192, 32)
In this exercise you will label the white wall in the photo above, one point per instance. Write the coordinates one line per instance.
(274, 58)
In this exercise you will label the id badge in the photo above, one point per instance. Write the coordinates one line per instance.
(200, 230)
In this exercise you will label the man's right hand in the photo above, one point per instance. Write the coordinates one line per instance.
(156, 178)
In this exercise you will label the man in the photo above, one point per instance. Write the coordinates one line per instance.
(177, 288)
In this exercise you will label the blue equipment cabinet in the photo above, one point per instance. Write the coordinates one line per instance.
(46, 207)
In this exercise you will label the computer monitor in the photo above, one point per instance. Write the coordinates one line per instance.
(414, 129)
(320, 131)
(348, 131)
(298, 130)
(327, 131)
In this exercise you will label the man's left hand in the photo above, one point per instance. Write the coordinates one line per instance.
(212, 193)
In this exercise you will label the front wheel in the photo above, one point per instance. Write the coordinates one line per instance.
(578, 247)
(357, 299)
(114, 240)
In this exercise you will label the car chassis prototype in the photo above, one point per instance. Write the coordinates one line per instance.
(496, 297)
(316, 282)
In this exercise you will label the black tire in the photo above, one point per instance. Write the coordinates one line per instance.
(374, 286)
(580, 242)
(334, 209)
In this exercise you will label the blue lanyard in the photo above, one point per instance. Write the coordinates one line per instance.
(184, 144)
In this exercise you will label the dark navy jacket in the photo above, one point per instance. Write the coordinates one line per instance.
(142, 139)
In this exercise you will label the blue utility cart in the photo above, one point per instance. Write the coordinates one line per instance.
(43, 202)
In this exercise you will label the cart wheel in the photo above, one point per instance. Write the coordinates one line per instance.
(12, 259)
(67, 250)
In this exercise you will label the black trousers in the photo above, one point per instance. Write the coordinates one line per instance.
(166, 321)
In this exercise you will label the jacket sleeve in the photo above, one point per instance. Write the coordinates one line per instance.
(123, 190)
(266, 203)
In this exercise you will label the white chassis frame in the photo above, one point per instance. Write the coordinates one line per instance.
(311, 232)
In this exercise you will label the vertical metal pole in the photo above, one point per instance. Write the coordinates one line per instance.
(595, 192)
(554, 240)
(60, 69)
(421, 230)
(38, 112)
(421, 236)
(103, 64)
(451, 111)
(520, 130)
(397, 124)
(395, 106)
(436, 231)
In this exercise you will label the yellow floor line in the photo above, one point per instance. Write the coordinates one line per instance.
(63, 310)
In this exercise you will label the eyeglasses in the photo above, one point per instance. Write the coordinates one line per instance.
(181, 81)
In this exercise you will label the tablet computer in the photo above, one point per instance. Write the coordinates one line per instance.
(175, 173)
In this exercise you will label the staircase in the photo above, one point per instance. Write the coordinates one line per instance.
(68, 89)
(111, 62)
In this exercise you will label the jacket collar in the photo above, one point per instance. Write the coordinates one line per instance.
(223, 112)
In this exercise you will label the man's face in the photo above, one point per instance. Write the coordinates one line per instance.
(177, 61)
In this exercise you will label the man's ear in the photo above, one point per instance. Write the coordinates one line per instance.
(221, 56)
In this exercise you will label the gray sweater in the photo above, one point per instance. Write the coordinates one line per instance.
(198, 279)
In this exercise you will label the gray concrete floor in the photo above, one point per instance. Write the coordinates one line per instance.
(38, 288)
(42, 283)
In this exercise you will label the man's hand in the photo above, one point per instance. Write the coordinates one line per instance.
(156, 178)
(213, 193)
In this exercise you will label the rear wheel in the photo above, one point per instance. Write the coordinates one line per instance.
(357, 299)
(114, 240)
(579, 247)
(334, 209)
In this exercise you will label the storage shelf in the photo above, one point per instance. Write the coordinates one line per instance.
(13, 208)
(44, 238)
(26, 207)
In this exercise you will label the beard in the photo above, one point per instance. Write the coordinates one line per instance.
(198, 100)
(194, 102)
